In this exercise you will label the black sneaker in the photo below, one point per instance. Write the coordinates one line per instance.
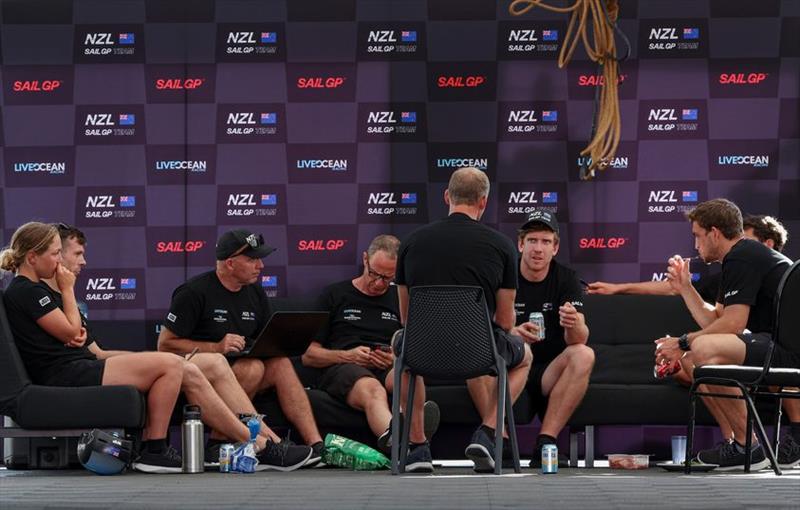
(729, 458)
(419, 458)
(384, 442)
(317, 454)
(432, 417)
(481, 451)
(788, 452)
(167, 461)
(536, 458)
(282, 456)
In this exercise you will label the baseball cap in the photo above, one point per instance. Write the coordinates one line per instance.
(242, 242)
(546, 218)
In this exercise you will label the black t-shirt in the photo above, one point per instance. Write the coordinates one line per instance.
(356, 318)
(751, 273)
(708, 286)
(43, 354)
(458, 250)
(559, 286)
(202, 309)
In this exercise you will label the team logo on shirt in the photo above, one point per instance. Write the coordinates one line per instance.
(352, 314)
(248, 316)
(171, 317)
(44, 301)
(220, 315)
(547, 307)
(389, 316)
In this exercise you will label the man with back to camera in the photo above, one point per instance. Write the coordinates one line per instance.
(208, 381)
(762, 228)
(458, 250)
(751, 273)
(353, 348)
(218, 310)
(562, 362)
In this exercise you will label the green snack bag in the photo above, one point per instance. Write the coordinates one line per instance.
(346, 453)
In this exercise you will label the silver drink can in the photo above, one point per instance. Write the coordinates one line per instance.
(225, 456)
(549, 458)
(538, 319)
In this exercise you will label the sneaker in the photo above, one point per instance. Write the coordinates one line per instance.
(167, 461)
(431, 425)
(536, 458)
(419, 458)
(317, 454)
(283, 456)
(729, 458)
(481, 451)
(788, 452)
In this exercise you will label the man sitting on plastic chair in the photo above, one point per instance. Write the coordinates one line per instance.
(458, 250)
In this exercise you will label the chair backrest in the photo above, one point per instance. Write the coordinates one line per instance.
(787, 311)
(13, 376)
(449, 332)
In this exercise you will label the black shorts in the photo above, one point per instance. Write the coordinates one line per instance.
(338, 380)
(510, 347)
(82, 372)
(539, 400)
(756, 346)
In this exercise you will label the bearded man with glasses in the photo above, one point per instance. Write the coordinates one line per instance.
(354, 347)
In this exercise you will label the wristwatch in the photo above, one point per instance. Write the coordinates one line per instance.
(683, 342)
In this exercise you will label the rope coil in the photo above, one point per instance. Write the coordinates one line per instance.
(606, 125)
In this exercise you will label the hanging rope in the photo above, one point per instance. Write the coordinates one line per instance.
(606, 122)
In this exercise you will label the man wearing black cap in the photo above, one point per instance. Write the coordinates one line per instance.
(215, 312)
(562, 362)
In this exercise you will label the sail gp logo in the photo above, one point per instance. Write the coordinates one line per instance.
(109, 125)
(321, 82)
(193, 83)
(673, 120)
(111, 289)
(111, 206)
(250, 42)
(733, 78)
(462, 81)
(402, 204)
(321, 244)
(251, 123)
(108, 44)
(243, 205)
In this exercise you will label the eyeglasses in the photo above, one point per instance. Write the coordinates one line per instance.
(376, 275)
(251, 241)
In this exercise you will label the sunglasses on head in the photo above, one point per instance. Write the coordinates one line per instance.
(251, 241)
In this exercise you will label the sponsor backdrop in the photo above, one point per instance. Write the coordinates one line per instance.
(156, 125)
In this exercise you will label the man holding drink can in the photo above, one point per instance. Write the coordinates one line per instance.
(551, 293)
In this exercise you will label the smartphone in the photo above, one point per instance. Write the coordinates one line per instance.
(379, 347)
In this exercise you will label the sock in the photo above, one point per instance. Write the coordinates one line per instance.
(154, 445)
(545, 439)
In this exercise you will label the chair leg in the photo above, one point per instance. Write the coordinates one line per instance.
(762, 436)
(398, 368)
(748, 442)
(589, 446)
(512, 429)
(690, 430)
(407, 426)
(776, 439)
(498, 432)
(573, 448)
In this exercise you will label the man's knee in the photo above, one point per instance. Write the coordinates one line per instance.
(213, 365)
(249, 371)
(580, 357)
(527, 358)
(705, 350)
(367, 390)
(193, 377)
(171, 363)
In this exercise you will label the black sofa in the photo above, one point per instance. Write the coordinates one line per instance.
(622, 388)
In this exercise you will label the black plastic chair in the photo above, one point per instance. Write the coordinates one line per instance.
(755, 381)
(449, 335)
